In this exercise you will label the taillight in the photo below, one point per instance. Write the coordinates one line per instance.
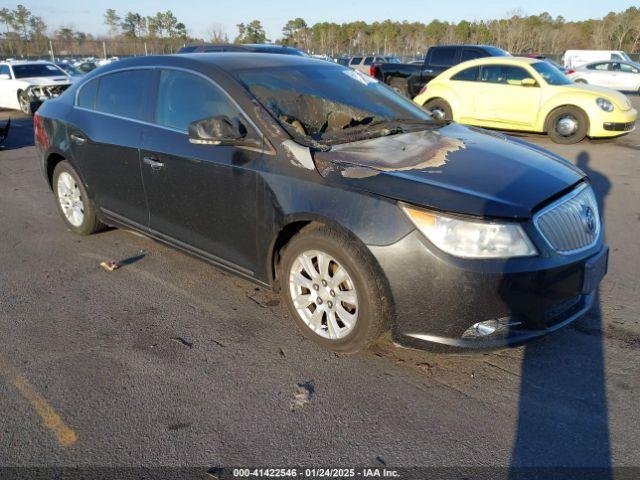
(36, 124)
(372, 70)
(39, 133)
(570, 71)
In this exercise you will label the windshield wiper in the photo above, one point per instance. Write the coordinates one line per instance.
(409, 121)
(303, 138)
(382, 128)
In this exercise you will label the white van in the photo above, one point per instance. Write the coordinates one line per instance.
(575, 58)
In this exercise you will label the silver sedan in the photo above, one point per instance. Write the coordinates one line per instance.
(618, 75)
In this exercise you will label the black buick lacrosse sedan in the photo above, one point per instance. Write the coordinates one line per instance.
(320, 182)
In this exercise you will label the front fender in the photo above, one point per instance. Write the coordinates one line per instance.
(583, 101)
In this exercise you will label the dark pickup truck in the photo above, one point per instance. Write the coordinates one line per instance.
(408, 79)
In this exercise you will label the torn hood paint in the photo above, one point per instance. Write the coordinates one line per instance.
(455, 168)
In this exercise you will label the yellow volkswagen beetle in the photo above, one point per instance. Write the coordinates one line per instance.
(526, 94)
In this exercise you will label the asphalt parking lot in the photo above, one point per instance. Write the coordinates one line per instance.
(168, 361)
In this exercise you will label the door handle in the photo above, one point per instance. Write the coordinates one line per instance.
(153, 163)
(79, 139)
(428, 70)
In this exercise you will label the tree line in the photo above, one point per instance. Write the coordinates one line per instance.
(516, 33)
(132, 33)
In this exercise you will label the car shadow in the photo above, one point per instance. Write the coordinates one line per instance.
(562, 429)
(20, 133)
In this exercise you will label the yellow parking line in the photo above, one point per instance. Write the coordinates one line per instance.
(64, 435)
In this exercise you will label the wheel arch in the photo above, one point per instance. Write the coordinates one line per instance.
(292, 226)
(53, 159)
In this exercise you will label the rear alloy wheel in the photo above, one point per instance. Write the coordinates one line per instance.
(400, 88)
(74, 205)
(439, 109)
(567, 125)
(25, 103)
(332, 291)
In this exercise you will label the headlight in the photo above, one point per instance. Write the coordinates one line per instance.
(472, 239)
(605, 104)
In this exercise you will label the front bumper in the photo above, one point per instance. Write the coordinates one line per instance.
(438, 298)
(604, 124)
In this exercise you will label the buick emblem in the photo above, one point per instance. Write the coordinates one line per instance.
(588, 219)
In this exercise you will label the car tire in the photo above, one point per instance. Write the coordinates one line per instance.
(344, 309)
(567, 125)
(25, 103)
(439, 109)
(73, 202)
(400, 88)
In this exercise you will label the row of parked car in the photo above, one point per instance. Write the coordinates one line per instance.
(472, 84)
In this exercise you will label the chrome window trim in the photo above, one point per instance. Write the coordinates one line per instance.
(574, 193)
(268, 150)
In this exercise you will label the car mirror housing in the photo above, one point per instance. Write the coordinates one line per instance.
(529, 82)
(218, 130)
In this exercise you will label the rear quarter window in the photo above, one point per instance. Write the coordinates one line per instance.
(368, 60)
(87, 94)
(356, 61)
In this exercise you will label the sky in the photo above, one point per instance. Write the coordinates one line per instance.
(200, 15)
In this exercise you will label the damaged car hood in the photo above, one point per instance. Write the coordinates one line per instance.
(44, 81)
(455, 168)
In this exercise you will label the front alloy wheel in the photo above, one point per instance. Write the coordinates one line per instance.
(323, 294)
(334, 289)
(25, 103)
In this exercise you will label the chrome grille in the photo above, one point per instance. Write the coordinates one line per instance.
(572, 223)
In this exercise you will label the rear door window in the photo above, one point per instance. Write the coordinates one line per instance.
(185, 97)
(368, 60)
(356, 61)
(443, 56)
(124, 93)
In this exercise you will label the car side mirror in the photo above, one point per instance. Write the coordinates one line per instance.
(529, 82)
(5, 76)
(218, 130)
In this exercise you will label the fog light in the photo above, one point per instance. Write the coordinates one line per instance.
(489, 327)
(482, 329)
